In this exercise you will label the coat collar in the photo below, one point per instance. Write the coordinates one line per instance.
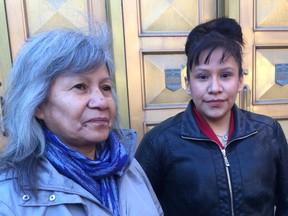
(190, 128)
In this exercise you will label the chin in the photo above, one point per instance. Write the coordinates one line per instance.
(214, 117)
(100, 137)
(97, 135)
(95, 140)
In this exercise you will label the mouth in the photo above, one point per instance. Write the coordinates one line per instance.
(215, 103)
(97, 121)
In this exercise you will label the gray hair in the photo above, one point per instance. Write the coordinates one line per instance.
(43, 57)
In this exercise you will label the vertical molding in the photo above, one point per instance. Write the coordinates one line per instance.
(16, 24)
(228, 8)
(5, 60)
(115, 19)
(221, 8)
(207, 10)
(97, 9)
(232, 9)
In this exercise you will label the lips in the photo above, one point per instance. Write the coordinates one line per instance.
(99, 120)
(215, 103)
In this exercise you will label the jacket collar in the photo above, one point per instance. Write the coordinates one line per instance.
(190, 128)
(129, 140)
(244, 126)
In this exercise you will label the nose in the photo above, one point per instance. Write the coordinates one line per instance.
(97, 100)
(215, 86)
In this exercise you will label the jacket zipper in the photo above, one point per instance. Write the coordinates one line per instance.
(227, 165)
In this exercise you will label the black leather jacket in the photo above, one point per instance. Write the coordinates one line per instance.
(192, 176)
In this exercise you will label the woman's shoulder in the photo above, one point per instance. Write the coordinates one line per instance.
(9, 197)
(136, 190)
(135, 175)
(134, 171)
(7, 179)
(258, 118)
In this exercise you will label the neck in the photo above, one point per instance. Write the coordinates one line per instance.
(220, 126)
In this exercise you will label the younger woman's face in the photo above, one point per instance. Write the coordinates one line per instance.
(80, 109)
(214, 86)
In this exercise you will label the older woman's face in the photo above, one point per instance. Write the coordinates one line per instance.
(80, 109)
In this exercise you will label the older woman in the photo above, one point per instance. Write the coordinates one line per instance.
(66, 154)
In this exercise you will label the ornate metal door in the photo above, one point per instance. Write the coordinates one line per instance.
(265, 25)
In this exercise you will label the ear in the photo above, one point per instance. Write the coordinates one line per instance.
(39, 112)
(188, 89)
(241, 83)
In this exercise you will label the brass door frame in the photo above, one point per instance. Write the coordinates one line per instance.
(5, 60)
(115, 19)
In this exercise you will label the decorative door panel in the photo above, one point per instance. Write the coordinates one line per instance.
(271, 15)
(163, 76)
(46, 14)
(265, 25)
(270, 88)
(168, 16)
(27, 17)
(155, 36)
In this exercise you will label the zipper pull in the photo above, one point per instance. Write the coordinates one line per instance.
(225, 158)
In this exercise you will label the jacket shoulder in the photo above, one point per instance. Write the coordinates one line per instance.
(259, 118)
(10, 198)
(135, 188)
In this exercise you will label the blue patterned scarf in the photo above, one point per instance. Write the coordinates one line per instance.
(96, 176)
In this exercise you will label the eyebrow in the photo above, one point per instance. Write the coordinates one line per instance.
(107, 79)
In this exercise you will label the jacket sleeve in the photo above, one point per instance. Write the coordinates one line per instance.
(282, 182)
(149, 158)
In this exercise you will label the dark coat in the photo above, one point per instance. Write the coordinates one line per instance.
(190, 177)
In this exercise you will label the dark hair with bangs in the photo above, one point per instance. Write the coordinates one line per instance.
(223, 33)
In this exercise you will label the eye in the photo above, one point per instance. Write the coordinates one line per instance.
(79, 86)
(106, 89)
(226, 75)
(202, 77)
